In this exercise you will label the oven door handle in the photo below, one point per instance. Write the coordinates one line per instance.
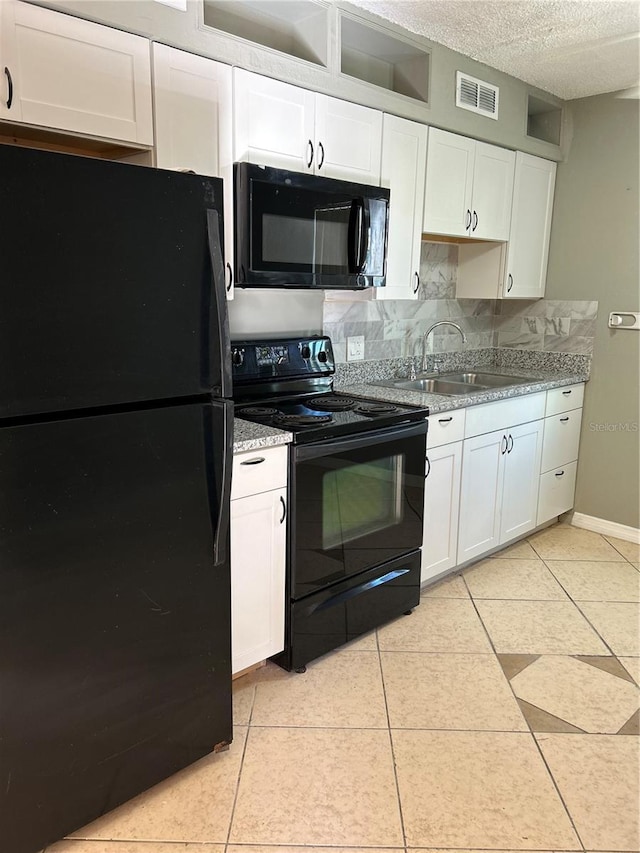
(355, 442)
(341, 597)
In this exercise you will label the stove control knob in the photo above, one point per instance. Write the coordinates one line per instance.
(305, 352)
(237, 357)
(322, 356)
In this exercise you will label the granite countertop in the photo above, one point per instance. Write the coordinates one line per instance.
(249, 436)
(532, 382)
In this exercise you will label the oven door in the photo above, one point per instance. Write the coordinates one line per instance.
(357, 503)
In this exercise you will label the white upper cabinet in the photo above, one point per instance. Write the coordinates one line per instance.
(492, 192)
(274, 122)
(404, 150)
(64, 73)
(528, 249)
(469, 187)
(349, 141)
(277, 124)
(194, 124)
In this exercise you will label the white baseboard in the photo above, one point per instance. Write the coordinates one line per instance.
(607, 528)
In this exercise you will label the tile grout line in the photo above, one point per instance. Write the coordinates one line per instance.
(235, 795)
(393, 754)
(530, 730)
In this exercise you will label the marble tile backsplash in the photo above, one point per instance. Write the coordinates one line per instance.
(394, 329)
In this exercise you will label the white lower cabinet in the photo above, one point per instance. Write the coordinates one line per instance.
(442, 493)
(258, 554)
(441, 509)
(560, 451)
(499, 489)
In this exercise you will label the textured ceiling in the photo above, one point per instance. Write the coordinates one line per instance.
(571, 48)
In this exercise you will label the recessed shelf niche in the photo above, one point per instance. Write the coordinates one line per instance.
(544, 120)
(381, 59)
(297, 28)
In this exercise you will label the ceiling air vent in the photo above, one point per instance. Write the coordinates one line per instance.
(476, 95)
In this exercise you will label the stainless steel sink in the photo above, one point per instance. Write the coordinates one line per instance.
(434, 386)
(488, 380)
(455, 384)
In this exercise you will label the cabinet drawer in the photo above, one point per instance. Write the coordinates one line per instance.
(564, 399)
(557, 489)
(504, 413)
(561, 439)
(259, 471)
(445, 428)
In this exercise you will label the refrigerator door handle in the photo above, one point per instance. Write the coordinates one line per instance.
(224, 504)
(223, 341)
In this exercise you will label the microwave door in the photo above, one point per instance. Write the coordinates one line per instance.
(331, 232)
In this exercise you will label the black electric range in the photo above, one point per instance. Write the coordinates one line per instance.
(356, 494)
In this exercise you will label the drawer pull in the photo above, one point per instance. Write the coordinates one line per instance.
(560, 474)
(284, 510)
(566, 393)
(255, 461)
(428, 468)
(10, 87)
(563, 420)
(444, 420)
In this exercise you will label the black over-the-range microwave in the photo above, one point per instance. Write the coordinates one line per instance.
(305, 231)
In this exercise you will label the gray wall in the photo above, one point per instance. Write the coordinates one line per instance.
(594, 256)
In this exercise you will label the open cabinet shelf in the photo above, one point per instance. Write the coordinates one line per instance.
(296, 28)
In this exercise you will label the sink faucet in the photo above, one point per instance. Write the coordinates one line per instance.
(428, 332)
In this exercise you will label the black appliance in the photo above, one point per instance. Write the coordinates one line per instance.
(115, 451)
(298, 230)
(356, 493)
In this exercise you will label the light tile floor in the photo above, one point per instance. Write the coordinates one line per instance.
(501, 715)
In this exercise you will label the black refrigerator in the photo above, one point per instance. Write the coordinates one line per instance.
(115, 467)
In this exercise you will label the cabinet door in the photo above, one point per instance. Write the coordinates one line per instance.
(74, 75)
(528, 249)
(449, 181)
(521, 479)
(258, 543)
(441, 510)
(273, 122)
(193, 124)
(404, 155)
(492, 192)
(480, 494)
(348, 141)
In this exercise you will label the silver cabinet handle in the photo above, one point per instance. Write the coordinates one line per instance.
(255, 461)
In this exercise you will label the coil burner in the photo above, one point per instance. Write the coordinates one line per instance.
(374, 409)
(327, 403)
(258, 413)
(301, 420)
